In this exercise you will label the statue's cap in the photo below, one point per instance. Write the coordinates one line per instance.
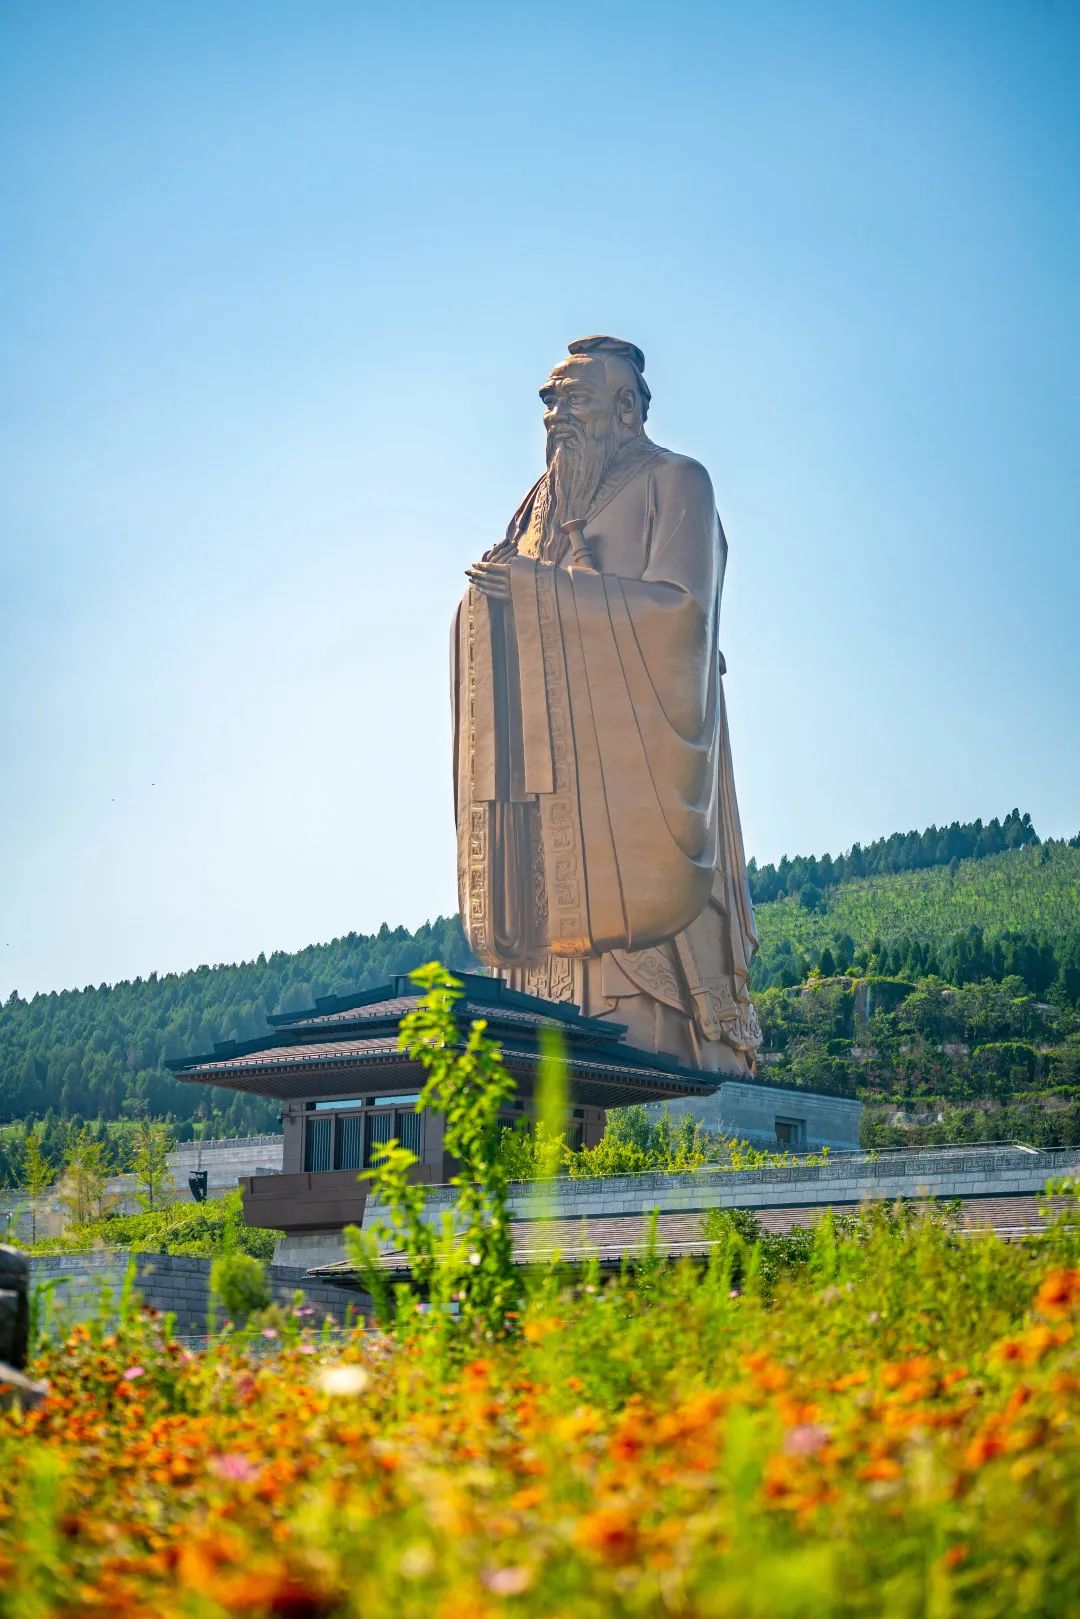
(618, 347)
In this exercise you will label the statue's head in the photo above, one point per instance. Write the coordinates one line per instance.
(594, 402)
(598, 392)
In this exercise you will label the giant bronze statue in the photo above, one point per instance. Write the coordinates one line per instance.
(600, 858)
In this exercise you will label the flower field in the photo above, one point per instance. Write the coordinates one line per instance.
(888, 1428)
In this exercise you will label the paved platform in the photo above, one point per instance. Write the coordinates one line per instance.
(536, 1240)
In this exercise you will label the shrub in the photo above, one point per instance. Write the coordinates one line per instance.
(199, 1229)
(239, 1282)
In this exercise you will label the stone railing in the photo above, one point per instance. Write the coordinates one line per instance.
(192, 1149)
(931, 1172)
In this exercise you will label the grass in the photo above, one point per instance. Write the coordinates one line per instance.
(884, 1426)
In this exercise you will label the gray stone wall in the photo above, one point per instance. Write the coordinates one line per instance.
(750, 1111)
(169, 1283)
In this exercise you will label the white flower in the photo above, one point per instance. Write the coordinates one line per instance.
(348, 1379)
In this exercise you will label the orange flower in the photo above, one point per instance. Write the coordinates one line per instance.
(905, 1371)
(983, 1448)
(611, 1533)
(780, 1480)
(630, 1438)
(1030, 1347)
(273, 1592)
(881, 1469)
(850, 1380)
(1060, 1291)
(766, 1373)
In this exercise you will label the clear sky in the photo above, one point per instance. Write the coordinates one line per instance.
(278, 284)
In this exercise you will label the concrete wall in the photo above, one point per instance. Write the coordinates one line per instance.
(749, 1112)
(15, 1222)
(225, 1161)
(168, 1282)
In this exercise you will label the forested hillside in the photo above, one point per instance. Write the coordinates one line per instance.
(947, 999)
(806, 875)
(983, 1061)
(99, 1052)
(1015, 913)
(1011, 915)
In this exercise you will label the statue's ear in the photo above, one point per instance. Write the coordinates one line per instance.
(626, 405)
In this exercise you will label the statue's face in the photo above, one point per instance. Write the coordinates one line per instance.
(578, 401)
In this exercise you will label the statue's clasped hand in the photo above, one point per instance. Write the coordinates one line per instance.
(493, 578)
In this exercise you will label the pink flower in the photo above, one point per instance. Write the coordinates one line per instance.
(508, 1582)
(269, 1332)
(234, 1466)
(806, 1439)
(132, 1373)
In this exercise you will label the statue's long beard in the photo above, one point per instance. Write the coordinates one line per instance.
(576, 467)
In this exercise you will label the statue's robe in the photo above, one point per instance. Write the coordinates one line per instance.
(600, 857)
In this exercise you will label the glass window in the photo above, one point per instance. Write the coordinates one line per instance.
(342, 1102)
(379, 1128)
(408, 1128)
(317, 1145)
(790, 1132)
(349, 1141)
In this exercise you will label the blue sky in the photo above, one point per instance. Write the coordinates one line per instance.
(278, 284)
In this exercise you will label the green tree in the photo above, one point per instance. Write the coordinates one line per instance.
(37, 1176)
(150, 1163)
(85, 1176)
(930, 1011)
